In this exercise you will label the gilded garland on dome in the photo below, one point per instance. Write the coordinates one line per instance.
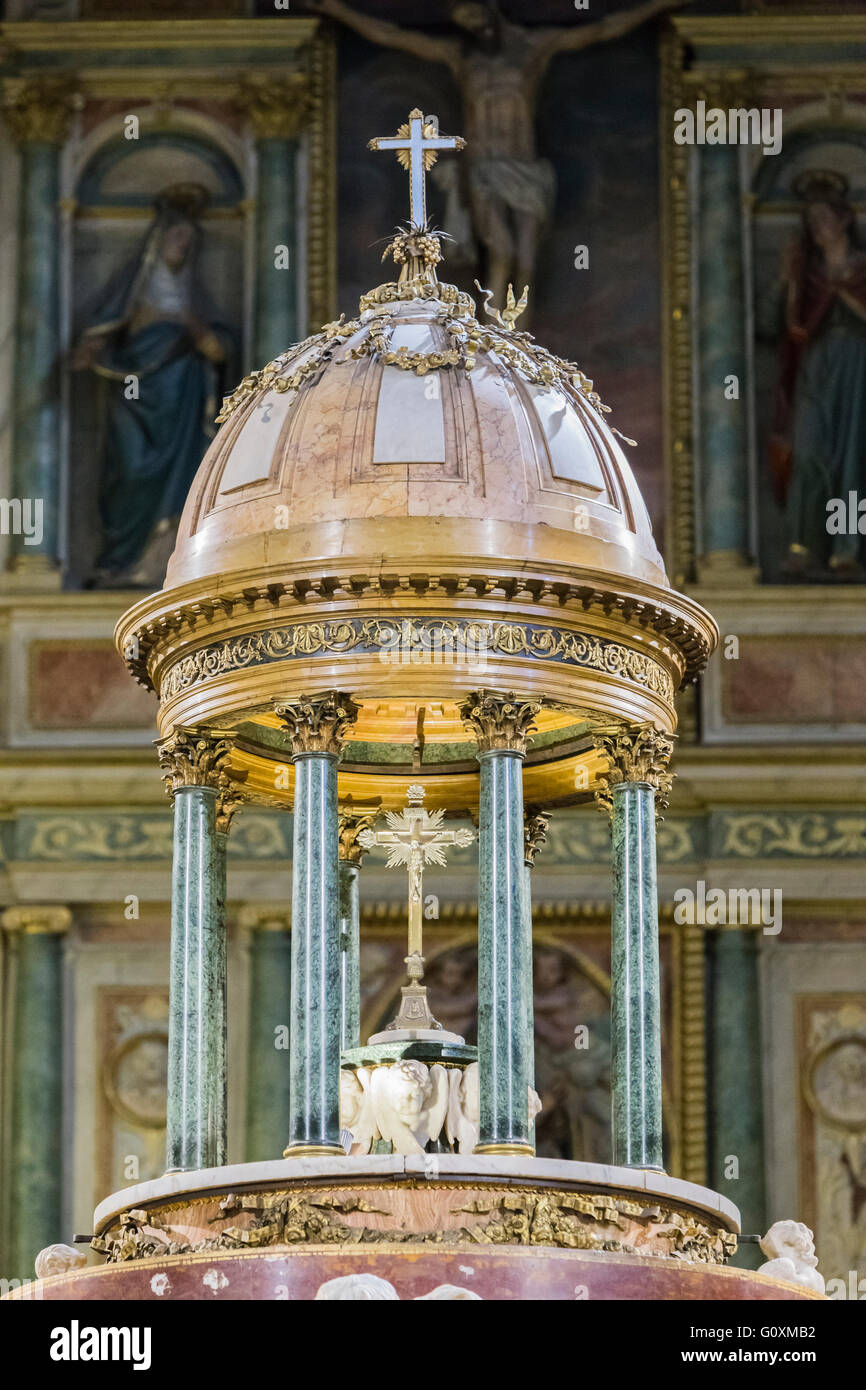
(371, 331)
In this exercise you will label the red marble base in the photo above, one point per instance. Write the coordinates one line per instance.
(494, 1272)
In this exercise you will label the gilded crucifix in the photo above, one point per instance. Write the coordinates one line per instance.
(415, 837)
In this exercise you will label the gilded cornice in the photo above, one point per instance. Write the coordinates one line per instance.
(186, 619)
(128, 35)
(317, 724)
(194, 758)
(776, 29)
(499, 722)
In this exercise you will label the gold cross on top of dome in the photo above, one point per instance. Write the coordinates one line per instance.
(416, 145)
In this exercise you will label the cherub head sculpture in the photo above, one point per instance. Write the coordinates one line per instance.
(409, 1104)
(408, 1088)
(790, 1240)
(351, 1099)
(791, 1249)
(353, 1288)
(59, 1259)
(356, 1109)
(464, 1109)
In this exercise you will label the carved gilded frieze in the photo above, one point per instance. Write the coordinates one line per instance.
(518, 1216)
(435, 636)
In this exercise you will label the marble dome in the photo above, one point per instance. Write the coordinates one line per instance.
(415, 432)
(407, 506)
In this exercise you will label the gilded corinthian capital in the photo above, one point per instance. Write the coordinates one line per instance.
(277, 110)
(354, 819)
(38, 110)
(229, 800)
(318, 725)
(194, 758)
(499, 722)
(535, 827)
(639, 753)
(36, 921)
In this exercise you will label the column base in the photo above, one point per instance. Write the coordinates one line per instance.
(314, 1151)
(525, 1149)
(726, 567)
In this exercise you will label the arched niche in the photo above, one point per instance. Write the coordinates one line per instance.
(115, 181)
(813, 141)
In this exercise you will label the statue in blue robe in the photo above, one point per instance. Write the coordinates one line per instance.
(155, 343)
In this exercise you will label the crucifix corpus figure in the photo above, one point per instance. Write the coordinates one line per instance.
(498, 67)
(414, 838)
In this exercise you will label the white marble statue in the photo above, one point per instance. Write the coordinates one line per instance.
(356, 1109)
(790, 1247)
(352, 1288)
(409, 1104)
(451, 1292)
(59, 1259)
(464, 1108)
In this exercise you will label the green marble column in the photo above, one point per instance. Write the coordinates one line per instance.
(276, 112)
(501, 724)
(350, 956)
(316, 728)
(33, 1157)
(38, 120)
(736, 1102)
(721, 332)
(196, 1100)
(270, 983)
(638, 759)
(352, 822)
(535, 825)
(635, 999)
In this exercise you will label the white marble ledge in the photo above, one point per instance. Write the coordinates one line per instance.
(593, 1177)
